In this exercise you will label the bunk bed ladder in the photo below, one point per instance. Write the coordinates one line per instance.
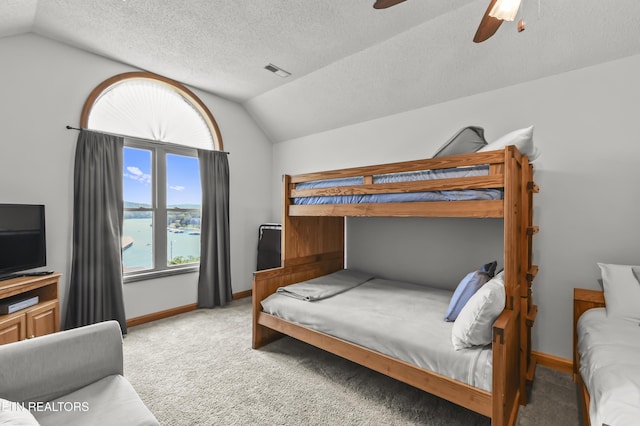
(519, 269)
(528, 307)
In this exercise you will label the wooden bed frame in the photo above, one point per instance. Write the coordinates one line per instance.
(313, 245)
(583, 300)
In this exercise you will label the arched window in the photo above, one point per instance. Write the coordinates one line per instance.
(163, 123)
(148, 106)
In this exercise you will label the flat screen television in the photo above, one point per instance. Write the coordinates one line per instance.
(22, 238)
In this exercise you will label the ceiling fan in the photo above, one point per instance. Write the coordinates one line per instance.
(497, 12)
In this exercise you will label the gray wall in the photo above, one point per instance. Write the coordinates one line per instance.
(587, 210)
(43, 87)
(437, 251)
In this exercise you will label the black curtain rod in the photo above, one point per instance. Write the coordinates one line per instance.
(135, 137)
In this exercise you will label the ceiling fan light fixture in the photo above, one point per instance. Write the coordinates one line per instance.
(383, 4)
(505, 10)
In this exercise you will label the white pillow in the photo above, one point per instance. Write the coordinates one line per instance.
(522, 139)
(621, 290)
(14, 414)
(474, 325)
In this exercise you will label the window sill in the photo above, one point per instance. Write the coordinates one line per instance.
(150, 275)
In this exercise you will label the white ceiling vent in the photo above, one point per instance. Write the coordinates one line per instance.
(277, 71)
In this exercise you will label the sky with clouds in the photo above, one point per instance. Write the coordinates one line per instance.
(183, 178)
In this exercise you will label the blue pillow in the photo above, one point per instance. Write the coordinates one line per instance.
(467, 288)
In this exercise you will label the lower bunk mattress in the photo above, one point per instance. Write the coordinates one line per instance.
(609, 351)
(399, 319)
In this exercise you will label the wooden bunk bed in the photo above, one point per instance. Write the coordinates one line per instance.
(313, 245)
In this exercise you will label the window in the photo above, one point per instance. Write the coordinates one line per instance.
(162, 198)
(163, 123)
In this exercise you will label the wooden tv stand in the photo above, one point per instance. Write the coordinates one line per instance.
(37, 320)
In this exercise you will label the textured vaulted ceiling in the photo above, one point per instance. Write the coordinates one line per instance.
(349, 62)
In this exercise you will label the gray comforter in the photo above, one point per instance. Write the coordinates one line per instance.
(395, 318)
(325, 286)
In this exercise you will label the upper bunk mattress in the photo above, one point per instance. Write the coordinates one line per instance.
(609, 351)
(398, 319)
(457, 195)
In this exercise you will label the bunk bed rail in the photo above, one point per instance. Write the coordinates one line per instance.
(452, 161)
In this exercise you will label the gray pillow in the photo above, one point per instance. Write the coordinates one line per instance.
(468, 139)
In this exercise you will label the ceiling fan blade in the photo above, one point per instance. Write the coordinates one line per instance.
(383, 4)
(488, 25)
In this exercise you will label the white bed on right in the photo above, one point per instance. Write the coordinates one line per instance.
(609, 351)
(607, 347)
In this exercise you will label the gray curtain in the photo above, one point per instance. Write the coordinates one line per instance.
(214, 282)
(95, 289)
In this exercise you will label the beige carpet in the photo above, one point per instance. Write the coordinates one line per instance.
(198, 368)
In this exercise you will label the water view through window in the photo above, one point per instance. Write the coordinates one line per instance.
(178, 215)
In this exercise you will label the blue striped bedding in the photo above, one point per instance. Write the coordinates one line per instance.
(457, 195)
